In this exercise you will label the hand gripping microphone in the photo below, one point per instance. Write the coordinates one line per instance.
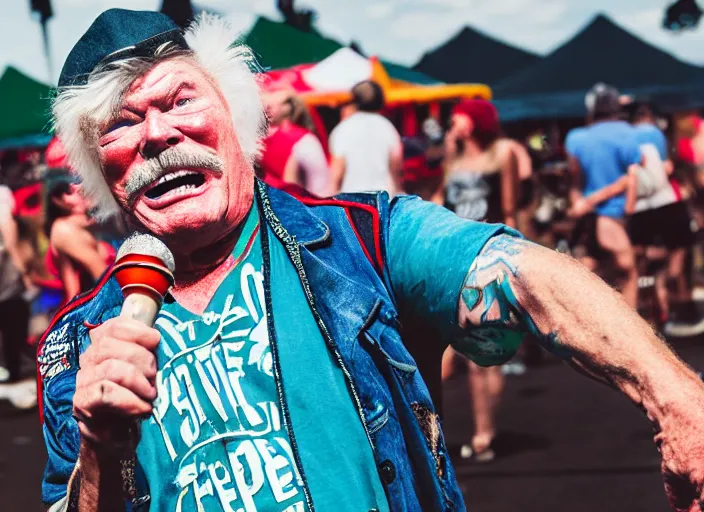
(144, 270)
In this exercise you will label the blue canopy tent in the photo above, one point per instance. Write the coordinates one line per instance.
(555, 86)
(472, 56)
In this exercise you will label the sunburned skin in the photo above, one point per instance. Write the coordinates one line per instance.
(173, 119)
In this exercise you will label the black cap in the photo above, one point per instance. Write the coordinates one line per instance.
(602, 100)
(118, 34)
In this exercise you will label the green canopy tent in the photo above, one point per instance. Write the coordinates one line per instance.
(399, 72)
(281, 46)
(25, 111)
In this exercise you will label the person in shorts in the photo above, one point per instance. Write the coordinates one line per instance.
(660, 227)
(599, 156)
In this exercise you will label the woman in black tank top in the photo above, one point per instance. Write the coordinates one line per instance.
(481, 181)
(481, 184)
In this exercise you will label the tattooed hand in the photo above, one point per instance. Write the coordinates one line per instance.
(514, 287)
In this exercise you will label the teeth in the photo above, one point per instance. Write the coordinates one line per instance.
(180, 190)
(173, 175)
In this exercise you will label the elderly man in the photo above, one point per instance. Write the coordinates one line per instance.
(275, 377)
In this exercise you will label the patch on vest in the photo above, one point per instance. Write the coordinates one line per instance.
(429, 423)
(53, 357)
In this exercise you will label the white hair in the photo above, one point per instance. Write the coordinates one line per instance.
(80, 110)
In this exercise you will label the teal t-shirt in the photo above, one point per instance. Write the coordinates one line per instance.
(216, 440)
(337, 458)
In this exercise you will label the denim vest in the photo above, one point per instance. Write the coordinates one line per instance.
(349, 293)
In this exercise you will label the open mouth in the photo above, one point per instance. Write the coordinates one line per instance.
(175, 183)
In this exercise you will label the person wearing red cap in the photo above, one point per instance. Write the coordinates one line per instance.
(482, 176)
(481, 184)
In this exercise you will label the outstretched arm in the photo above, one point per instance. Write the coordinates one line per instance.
(515, 286)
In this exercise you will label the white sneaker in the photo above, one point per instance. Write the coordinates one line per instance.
(25, 395)
(682, 329)
(22, 394)
(4, 374)
(513, 368)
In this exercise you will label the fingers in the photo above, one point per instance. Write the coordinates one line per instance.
(126, 329)
(109, 397)
(144, 360)
(126, 375)
(116, 375)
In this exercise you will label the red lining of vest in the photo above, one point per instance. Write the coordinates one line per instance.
(350, 204)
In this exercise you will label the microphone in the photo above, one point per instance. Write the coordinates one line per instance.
(144, 270)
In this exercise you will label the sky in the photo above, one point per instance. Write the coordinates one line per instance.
(398, 30)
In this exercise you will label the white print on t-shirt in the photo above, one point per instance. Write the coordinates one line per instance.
(201, 384)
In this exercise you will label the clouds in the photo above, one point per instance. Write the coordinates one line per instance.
(398, 30)
(379, 11)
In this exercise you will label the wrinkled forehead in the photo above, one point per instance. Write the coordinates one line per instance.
(166, 77)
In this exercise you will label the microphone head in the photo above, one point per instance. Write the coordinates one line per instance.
(145, 265)
(147, 245)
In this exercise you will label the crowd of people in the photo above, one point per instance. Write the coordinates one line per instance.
(630, 200)
(299, 353)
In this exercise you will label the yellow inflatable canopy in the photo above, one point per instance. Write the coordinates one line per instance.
(398, 92)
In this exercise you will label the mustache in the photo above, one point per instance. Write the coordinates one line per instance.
(169, 160)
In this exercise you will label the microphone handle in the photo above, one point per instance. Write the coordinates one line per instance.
(144, 308)
(141, 307)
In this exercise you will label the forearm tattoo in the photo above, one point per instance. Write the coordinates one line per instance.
(490, 312)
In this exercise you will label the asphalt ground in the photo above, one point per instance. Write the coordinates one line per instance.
(565, 443)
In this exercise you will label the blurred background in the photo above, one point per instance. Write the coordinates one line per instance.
(558, 74)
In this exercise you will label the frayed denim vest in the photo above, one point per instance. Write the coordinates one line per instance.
(337, 248)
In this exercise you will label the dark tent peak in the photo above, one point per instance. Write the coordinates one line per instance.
(601, 52)
(473, 56)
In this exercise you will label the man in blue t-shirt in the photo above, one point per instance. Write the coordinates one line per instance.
(600, 157)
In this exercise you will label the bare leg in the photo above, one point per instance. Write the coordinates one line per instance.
(677, 276)
(450, 361)
(486, 386)
(612, 236)
(662, 295)
(659, 256)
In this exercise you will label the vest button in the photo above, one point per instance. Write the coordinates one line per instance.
(388, 317)
(387, 471)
